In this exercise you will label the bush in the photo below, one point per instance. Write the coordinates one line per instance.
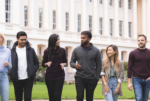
(125, 66)
(125, 71)
(40, 74)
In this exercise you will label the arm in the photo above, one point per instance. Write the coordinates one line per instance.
(104, 81)
(103, 78)
(73, 60)
(130, 66)
(45, 59)
(9, 61)
(98, 65)
(64, 57)
(36, 61)
(103, 69)
(121, 75)
(64, 63)
(121, 78)
(105, 84)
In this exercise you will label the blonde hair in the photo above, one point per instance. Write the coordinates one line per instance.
(4, 40)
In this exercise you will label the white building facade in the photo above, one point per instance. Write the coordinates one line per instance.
(110, 21)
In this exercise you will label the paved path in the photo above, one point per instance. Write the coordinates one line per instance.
(94, 100)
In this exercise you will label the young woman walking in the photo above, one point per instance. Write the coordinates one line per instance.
(54, 59)
(5, 65)
(112, 74)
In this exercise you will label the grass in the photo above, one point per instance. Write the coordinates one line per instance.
(69, 92)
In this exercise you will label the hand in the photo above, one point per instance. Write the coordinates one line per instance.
(78, 66)
(107, 90)
(148, 79)
(48, 63)
(130, 87)
(6, 63)
(116, 91)
(62, 65)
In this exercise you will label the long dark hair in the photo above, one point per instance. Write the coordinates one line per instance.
(51, 44)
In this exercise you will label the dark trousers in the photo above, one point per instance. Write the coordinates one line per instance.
(21, 86)
(54, 89)
(88, 84)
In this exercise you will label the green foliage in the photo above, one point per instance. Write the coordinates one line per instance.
(40, 75)
(125, 66)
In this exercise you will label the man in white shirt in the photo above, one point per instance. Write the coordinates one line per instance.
(24, 66)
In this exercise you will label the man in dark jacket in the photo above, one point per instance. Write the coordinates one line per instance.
(24, 66)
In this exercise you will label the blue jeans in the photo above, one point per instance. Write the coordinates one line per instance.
(4, 86)
(141, 89)
(112, 84)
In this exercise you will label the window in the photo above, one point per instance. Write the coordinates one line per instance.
(120, 3)
(101, 26)
(120, 28)
(67, 21)
(90, 0)
(54, 19)
(90, 23)
(100, 1)
(79, 22)
(8, 44)
(111, 2)
(40, 17)
(111, 27)
(8, 10)
(130, 29)
(129, 4)
(25, 15)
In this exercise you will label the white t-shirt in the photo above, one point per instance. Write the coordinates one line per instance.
(22, 63)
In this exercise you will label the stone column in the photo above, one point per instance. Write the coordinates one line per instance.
(45, 16)
(125, 19)
(31, 13)
(144, 17)
(116, 20)
(71, 16)
(148, 19)
(59, 15)
(95, 20)
(83, 15)
(105, 18)
(134, 19)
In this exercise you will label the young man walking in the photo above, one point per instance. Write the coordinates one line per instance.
(139, 67)
(24, 66)
(88, 67)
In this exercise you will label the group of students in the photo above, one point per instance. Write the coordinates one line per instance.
(21, 64)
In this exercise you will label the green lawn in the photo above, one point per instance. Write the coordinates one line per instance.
(69, 92)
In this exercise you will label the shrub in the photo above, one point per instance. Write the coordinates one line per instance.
(40, 74)
(125, 66)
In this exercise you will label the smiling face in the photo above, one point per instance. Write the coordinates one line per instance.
(22, 40)
(110, 52)
(141, 42)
